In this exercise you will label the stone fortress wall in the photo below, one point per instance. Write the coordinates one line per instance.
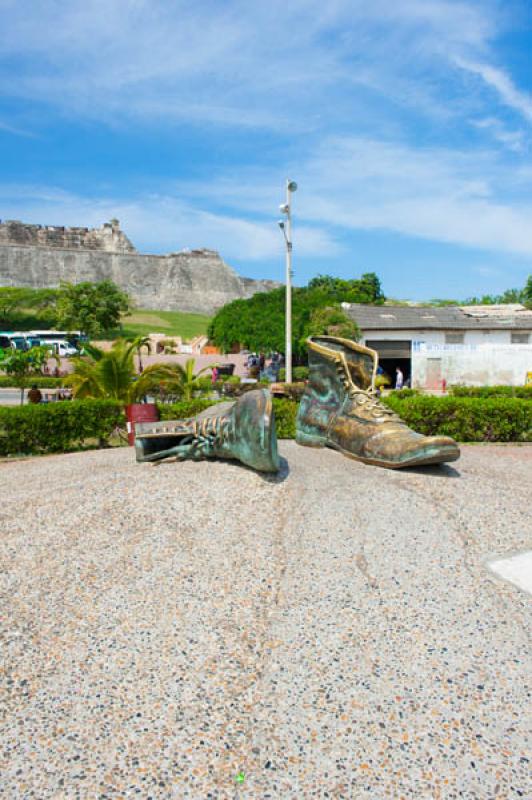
(38, 256)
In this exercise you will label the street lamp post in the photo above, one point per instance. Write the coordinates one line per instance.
(286, 227)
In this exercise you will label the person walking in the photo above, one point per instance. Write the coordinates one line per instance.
(399, 378)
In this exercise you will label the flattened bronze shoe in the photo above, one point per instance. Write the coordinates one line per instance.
(244, 430)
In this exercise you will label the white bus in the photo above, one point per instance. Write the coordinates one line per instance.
(56, 336)
(13, 341)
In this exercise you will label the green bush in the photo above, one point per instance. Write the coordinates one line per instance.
(42, 382)
(185, 408)
(204, 384)
(293, 391)
(285, 417)
(524, 392)
(57, 427)
(298, 374)
(285, 413)
(402, 394)
(466, 419)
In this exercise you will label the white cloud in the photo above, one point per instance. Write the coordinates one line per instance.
(238, 62)
(304, 70)
(489, 272)
(436, 194)
(513, 140)
(502, 83)
(353, 183)
(159, 223)
(16, 131)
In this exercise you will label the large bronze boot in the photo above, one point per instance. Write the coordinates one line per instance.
(339, 409)
(243, 430)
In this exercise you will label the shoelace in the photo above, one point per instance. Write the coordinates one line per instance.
(204, 434)
(200, 437)
(363, 397)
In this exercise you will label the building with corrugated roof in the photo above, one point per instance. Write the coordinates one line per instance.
(474, 345)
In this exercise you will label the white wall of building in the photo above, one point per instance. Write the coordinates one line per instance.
(483, 364)
(438, 337)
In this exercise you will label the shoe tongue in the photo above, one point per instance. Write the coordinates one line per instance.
(360, 367)
(359, 362)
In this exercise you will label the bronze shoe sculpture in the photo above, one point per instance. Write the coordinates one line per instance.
(243, 430)
(339, 409)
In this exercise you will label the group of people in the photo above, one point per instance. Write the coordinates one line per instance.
(400, 382)
(56, 372)
(258, 367)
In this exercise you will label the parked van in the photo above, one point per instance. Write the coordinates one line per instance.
(73, 339)
(63, 349)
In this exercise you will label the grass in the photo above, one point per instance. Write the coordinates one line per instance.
(172, 323)
(140, 323)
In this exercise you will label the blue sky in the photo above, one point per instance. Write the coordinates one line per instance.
(407, 125)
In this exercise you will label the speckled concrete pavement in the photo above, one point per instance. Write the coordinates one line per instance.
(331, 633)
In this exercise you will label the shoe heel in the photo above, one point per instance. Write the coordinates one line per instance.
(310, 439)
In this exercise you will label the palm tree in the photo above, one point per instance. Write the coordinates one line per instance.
(106, 373)
(112, 374)
(139, 342)
(174, 378)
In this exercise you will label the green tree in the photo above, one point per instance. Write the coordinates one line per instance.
(259, 322)
(332, 321)
(108, 374)
(23, 365)
(11, 300)
(526, 294)
(366, 289)
(439, 302)
(94, 308)
(141, 343)
(111, 374)
(174, 379)
(16, 299)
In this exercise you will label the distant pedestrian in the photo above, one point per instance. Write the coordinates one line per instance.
(214, 375)
(262, 361)
(399, 378)
(34, 395)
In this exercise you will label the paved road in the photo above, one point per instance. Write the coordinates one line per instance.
(331, 633)
(10, 397)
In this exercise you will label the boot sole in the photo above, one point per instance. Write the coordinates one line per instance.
(448, 454)
(444, 454)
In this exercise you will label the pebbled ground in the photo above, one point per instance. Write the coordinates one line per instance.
(332, 632)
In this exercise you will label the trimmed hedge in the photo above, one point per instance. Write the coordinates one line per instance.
(57, 427)
(298, 374)
(402, 394)
(466, 419)
(185, 408)
(285, 417)
(285, 413)
(60, 427)
(524, 392)
(41, 381)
